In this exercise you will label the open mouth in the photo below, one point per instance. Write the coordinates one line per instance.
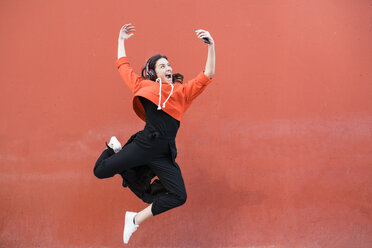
(168, 76)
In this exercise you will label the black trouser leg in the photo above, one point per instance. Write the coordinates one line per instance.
(160, 161)
(110, 163)
(105, 154)
(171, 178)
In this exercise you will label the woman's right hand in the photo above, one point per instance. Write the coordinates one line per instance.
(126, 31)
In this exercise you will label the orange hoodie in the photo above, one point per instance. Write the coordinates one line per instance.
(172, 101)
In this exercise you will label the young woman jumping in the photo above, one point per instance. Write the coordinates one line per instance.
(160, 99)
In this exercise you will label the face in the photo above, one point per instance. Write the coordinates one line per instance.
(163, 70)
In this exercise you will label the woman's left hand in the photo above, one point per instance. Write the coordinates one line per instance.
(204, 34)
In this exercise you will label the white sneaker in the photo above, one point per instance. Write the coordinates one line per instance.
(129, 226)
(115, 144)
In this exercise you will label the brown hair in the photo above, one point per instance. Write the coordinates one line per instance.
(148, 72)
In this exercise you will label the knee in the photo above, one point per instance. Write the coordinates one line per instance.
(98, 172)
(182, 198)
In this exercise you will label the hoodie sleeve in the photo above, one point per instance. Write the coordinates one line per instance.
(196, 86)
(127, 74)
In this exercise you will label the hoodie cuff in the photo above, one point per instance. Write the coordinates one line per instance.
(122, 60)
(203, 79)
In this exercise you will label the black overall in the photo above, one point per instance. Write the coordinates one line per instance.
(147, 153)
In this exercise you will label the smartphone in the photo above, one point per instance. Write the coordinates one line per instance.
(206, 40)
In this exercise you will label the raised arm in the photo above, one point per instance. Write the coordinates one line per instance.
(125, 33)
(197, 85)
(211, 59)
(125, 70)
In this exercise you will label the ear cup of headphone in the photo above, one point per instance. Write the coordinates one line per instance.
(150, 74)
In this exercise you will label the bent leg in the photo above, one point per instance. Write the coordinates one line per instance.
(171, 178)
(110, 163)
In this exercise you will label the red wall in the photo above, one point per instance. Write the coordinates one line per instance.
(275, 153)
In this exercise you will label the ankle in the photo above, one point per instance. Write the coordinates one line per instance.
(134, 220)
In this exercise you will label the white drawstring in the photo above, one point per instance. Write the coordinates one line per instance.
(159, 81)
(159, 105)
(168, 96)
